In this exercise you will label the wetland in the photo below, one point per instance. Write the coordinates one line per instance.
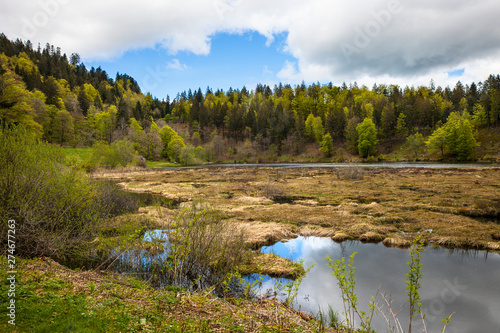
(334, 210)
(448, 207)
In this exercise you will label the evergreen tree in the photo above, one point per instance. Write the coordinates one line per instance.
(83, 101)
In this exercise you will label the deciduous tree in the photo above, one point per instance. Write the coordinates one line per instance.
(367, 140)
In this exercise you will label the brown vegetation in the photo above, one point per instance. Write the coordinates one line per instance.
(449, 207)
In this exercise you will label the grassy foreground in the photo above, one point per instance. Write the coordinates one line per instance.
(52, 298)
(455, 208)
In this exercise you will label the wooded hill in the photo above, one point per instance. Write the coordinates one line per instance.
(57, 97)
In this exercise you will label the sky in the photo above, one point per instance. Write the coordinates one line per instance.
(172, 46)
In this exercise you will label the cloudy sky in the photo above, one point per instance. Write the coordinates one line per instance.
(170, 46)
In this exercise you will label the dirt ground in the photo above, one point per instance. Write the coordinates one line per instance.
(455, 208)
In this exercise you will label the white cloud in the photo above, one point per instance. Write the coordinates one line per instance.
(289, 72)
(373, 40)
(176, 64)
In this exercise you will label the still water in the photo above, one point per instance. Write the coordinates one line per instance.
(467, 283)
(424, 165)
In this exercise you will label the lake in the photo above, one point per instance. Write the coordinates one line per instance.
(464, 282)
(426, 165)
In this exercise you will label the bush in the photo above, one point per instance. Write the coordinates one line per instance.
(113, 201)
(53, 205)
(200, 251)
(57, 208)
(187, 155)
(205, 249)
(119, 153)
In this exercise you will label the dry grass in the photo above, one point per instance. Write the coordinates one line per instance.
(261, 234)
(450, 207)
(272, 265)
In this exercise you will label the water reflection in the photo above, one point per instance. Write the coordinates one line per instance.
(146, 262)
(465, 282)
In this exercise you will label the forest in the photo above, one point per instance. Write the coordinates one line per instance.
(66, 104)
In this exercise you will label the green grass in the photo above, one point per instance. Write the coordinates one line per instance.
(82, 153)
(50, 298)
(47, 302)
(161, 164)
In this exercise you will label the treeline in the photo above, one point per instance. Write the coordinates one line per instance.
(63, 102)
(70, 105)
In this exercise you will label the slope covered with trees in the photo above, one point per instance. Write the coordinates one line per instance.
(67, 104)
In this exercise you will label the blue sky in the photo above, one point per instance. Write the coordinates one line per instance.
(235, 60)
(170, 46)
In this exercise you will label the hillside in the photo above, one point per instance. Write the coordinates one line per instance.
(68, 105)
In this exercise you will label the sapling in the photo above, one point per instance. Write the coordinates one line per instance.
(346, 281)
(413, 278)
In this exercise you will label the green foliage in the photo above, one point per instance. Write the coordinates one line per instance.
(328, 318)
(14, 107)
(438, 140)
(54, 206)
(102, 123)
(326, 146)
(174, 148)
(70, 105)
(166, 134)
(479, 116)
(149, 144)
(119, 153)
(317, 129)
(346, 281)
(401, 124)
(314, 127)
(413, 278)
(352, 134)
(416, 143)
(309, 125)
(61, 127)
(135, 127)
(188, 155)
(367, 137)
(456, 136)
(57, 208)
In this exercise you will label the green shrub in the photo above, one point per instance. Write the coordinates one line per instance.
(119, 153)
(57, 208)
(187, 155)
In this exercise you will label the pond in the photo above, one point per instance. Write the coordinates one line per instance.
(464, 282)
(425, 165)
